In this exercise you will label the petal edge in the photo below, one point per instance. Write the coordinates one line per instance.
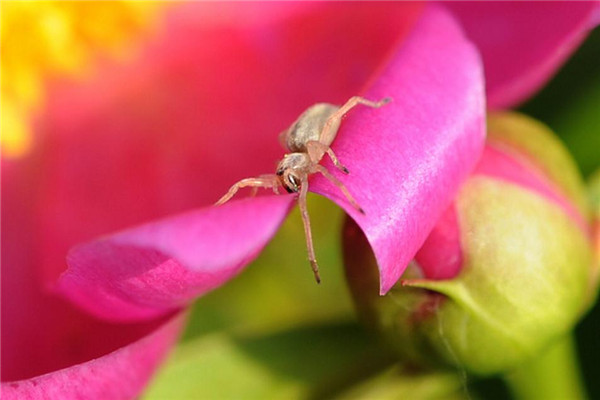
(154, 268)
(121, 374)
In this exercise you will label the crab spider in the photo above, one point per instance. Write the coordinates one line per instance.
(308, 140)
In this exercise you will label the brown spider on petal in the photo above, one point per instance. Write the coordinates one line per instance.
(308, 140)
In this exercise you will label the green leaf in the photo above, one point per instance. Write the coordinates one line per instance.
(306, 362)
(398, 383)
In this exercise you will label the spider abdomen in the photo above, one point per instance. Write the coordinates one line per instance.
(309, 126)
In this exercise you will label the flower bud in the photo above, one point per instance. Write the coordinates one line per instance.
(594, 194)
(506, 271)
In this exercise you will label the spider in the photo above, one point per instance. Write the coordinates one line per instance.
(307, 140)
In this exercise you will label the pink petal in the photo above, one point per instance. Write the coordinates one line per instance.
(199, 115)
(148, 270)
(199, 109)
(408, 158)
(523, 43)
(441, 254)
(502, 165)
(121, 374)
(440, 257)
(42, 332)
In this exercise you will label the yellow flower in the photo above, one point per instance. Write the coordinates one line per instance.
(45, 39)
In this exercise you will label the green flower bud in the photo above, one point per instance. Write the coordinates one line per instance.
(525, 253)
(594, 194)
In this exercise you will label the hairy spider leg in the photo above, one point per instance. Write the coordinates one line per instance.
(265, 181)
(340, 185)
(327, 135)
(307, 231)
(316, 150)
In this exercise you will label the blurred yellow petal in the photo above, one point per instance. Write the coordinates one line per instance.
(16, 139)
(44, 39)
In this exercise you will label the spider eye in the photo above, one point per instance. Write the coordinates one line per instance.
(293, 183)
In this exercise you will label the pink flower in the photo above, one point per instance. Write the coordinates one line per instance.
(199, 109)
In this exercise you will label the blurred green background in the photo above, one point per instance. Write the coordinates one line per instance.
(273, 333)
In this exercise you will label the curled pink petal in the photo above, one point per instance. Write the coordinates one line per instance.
(121, 374)
(148, 270)
(523, 43)
(408, 158)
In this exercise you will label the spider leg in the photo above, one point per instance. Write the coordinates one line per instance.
(307, 231)
(316, 151)
(265, 181)
(328, 134)
(340, 185)
(274, 187)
